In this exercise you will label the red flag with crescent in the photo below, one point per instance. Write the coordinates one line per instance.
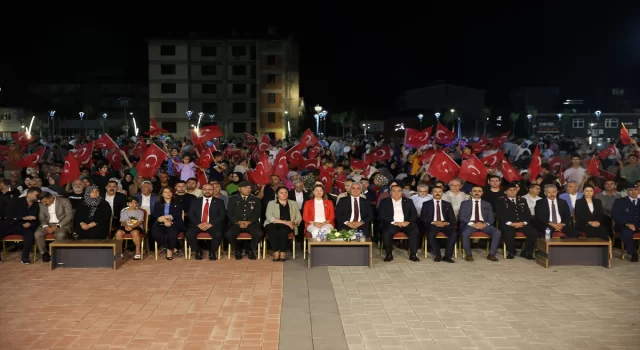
(280, 165)
(308, 138)
(508, 172)
(379, 155)
(417, 138)
(22, 139)
(84, 153)
(493, 160)
(204, 134)
(71, 170)
(150, 161)
(32, 160)
(443, 135)
(115, 159)
(535, 167)
(474, 171)
(443, 168)
(105, 141)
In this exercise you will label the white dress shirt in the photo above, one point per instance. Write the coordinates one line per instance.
(531, 202)
(319, 211)
(109, 199)
(299, 199)
(437, 203)
(573, 198)
(398, 214)
(555, 202)
(473, 211)
(146, 202)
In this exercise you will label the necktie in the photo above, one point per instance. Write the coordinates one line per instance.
(554, 217)
(356, 210)
(205, 211)
(476, 218)
(438, 216)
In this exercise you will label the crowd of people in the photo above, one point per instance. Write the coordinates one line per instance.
(383, 198)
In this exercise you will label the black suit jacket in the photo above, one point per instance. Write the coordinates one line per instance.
(344, 209)
(175, 210)
(542, 213)
(584, 215)
(216, 213)
(427, 214)
(385, 211)
(305, 196)
(19, 208)
(119, 203)
(507, 211)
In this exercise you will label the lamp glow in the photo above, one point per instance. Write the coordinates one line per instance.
(81, 114)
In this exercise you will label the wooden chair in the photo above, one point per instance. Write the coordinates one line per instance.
(128, 237)
(440, 235)
(16, 239)
(202, 236)
(180, 236)
(245, 236)
(519, 236)
(399, 236)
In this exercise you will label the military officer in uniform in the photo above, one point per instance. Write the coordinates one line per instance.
(514, 216)
(626, 213)
(244, 212)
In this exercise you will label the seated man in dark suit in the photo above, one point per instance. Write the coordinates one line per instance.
(22, 219)
(554, 213)
(210, 221)
(476, 215)
(398, 214)
(437, 216)
(626, 213)
(299, 195)
(354, 212)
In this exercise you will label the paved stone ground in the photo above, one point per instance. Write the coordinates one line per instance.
(146, 304)
(512, 304)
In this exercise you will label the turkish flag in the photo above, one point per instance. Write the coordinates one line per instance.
(201, 177)
(592, 167)
(294, 155)
(205, 134)
(561, 175)
(234, 153)
(379, 155)
(140, 148)
(150, 161)
(608, 152)
(155, 130)
(314, 151)
(205, 157)
(249, 137)
(262, 173)
(84, 153)
(105, 141)
(500, 140)
(444, 135)
(358, 164)
(493, 160)
(624, 135)
(264, 144)
(474, 171)
(443, 168)
(535, 167)
(427, 157)
(417, 138)
(308, 138)
(556, 163)
(325, 177)
(71, 170)
(309, 164)
(115, 159)
(508, 172)
(22, 139)
(280, 165)
(478, 146)
(32, 160)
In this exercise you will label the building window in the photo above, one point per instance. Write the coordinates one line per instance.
(253, 90)
(209, 69)
(271, 60)
(171, 127)
(167, 50)
(168, 88)
(271, 79)
(617, 92)
(254, 108)
(239, 127)
(168, 69)
(239, 70)
(271, 117)
(237, 51)
(209, 88)
(210, 107)
(6, 116)
(239, 89)
(271, 98)
(208, 51)
(578, 123)
(168, 107)
(239, 108)
(611, 123)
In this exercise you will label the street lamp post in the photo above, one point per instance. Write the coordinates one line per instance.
(52, 129)
(366, 127)
(200, 115)
(453, 111)
(318, 110)
(211, 116)
(124, 103)
(560, 119)
(104, 122)
(598, 127)
(420, 116)
(529, 116)
(438, 117)
(189, 113)
(81, 114)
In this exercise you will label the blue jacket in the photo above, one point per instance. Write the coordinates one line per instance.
(623, 212)
(466, 210)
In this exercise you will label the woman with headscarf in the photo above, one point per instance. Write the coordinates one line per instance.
(235, 177)
(92, 219)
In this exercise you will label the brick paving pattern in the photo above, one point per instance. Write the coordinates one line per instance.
(147, 304)
(513, 304)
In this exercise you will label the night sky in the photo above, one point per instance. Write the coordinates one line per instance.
(348, 65)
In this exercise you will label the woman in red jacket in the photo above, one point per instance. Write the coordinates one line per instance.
(318, 212)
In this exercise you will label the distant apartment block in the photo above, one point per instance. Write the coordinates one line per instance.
(243, 85)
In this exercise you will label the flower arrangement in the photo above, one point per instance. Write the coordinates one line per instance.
(345, 235)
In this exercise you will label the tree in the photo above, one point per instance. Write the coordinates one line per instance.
(514, 118)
